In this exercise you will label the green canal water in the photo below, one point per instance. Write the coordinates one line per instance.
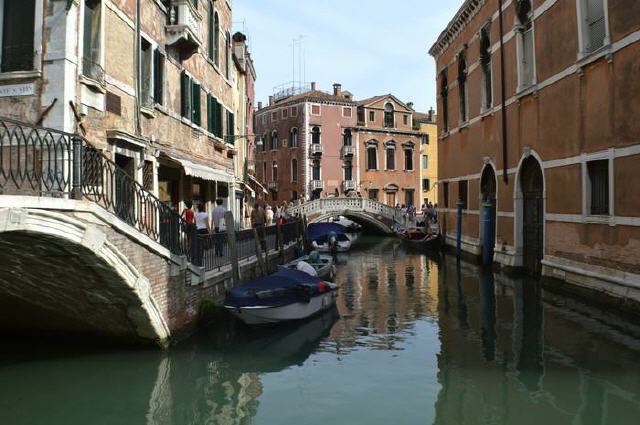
(414, 340)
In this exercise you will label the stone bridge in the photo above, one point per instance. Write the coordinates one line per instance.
(366, 211)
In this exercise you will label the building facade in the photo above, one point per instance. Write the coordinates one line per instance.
(389, 151)
(150, 82)
(428, 156)
(546, 151)
(306, 149)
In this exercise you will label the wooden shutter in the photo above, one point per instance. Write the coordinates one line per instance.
(185, 94)
(195, 104)
(158, 77)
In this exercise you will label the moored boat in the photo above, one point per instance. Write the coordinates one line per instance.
(287, 295)
(323, 265)
(417, 236)
(329, 237)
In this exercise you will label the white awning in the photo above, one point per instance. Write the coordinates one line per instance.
(258, 185)
(203, 171)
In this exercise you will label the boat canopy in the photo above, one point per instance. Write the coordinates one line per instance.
(320, 232)
(282, 288)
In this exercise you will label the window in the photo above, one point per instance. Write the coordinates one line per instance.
(294, 195)
(485, 65)
(315, 170)
(372, 158)
(315, 110)
(294, 111)
(425, 162)
(18, 33)
(231, 128)
(405, 119)
(593, 25)
(294, 170)
(264, 119)
(445, 194)
(408, 159)
(348, 171)
(293, 138)
(373, 194)
(391, 157)
(425, 139)
(274, 171)
(426, 186)
(91, 50)
(525, 44)
(408, 196)
(462, 85)
(211, 31)
(444, 96)
(214, 116)
(264, 171)
(274, 116)
(463, 193)
(347, 112)
(285, 113)
(388, 116)
(158, 76)
(146, 57)
(372, 116)
(185, 95)
(598, 187)
(274, 140)
(347, 138)
(315, 135)
(227, 65)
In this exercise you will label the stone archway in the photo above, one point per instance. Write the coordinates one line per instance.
(488, 218)
(531, 185)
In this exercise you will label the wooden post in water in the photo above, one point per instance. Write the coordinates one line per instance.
(305, 235)
(233, 250)
(280, 242)
(259, 256)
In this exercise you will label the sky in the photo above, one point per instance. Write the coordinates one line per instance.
(371, 47)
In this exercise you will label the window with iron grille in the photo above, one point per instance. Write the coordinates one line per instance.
(594, 26)
(463, 193)
(92, 48)
(598, 195)
(17, 39)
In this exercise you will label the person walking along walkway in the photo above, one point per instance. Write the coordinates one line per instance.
(219, 226)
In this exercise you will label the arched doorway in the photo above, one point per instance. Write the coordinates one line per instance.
(532, 186)
(488, 216)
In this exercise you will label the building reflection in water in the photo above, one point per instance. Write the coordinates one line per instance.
(525, 356)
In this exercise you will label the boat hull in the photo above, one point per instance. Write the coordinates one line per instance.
(257, 315)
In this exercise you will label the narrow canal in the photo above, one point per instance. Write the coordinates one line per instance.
(414, 340)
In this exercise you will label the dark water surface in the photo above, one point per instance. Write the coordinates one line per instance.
(414, 340)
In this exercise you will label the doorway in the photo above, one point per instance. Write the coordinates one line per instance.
(532, 185)
(488, 214)
(124, 202)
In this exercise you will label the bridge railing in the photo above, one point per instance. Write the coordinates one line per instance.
(344, 204)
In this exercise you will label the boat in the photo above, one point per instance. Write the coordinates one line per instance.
(287, 295)
(323, 265)
(329, 237)
(417, 236)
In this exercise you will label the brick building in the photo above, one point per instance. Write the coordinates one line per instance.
(150, 82)
(307, 144)
(551, 143)
(389, 144)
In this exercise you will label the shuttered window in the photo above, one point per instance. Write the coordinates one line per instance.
(596, 29)
(17, 35)
(185, 95)
(146, 57)
(158, 77)
(599, 187)
(195, 104)
(231, 128)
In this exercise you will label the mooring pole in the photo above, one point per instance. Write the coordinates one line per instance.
(233, 251)
(459, 230)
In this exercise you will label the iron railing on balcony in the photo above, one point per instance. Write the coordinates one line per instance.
(93, 70)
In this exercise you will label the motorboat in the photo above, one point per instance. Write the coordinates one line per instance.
(329, 237)
(323, 265)
(287, 295)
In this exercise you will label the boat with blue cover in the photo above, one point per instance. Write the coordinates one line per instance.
(284, 296)
(329, 237)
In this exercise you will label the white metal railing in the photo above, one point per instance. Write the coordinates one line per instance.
(315, 149)
(348, 151)
(316, 185)
(348, 185)
(343, 205)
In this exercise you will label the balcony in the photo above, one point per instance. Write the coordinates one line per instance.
(273, 186)
(316, 185)
(315, 149)
(348, 185)
(183, 29)
(348, 151)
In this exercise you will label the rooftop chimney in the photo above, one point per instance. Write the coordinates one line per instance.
(313, 86)
(259, 105)
(431, 113)
(410, 105)
(337, 89)
(271, 100)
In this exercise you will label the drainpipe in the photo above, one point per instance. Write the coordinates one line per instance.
(138, 126)
(505, 165)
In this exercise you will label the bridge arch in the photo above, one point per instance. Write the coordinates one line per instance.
(360, 217)
(66, 271)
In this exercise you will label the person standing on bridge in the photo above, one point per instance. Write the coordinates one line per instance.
(203, 230)
(220, 227)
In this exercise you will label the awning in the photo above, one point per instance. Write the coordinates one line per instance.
(258, 185)
(203, 171)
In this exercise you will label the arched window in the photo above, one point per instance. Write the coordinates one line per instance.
(462, 85)
(294, 170)
(315, 170)
(315, 135)
(274, 171)
(444, 95)
(390, 150)
(408, 156)
(274, 140)
(347, 137)
(348, 171)
(227, 69)
(210, 30)
(265, 141)
(372, 157)
(293, 138)
(216, 39)
(485, 64)
(526, 54)
(388, 115)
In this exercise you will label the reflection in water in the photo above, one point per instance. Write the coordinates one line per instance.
(413, 339)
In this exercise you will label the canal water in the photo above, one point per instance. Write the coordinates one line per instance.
(414, 340)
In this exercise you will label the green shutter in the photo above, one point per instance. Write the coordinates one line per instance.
(209, 114)
(218, 119)
(185, 92)
(195, 104)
